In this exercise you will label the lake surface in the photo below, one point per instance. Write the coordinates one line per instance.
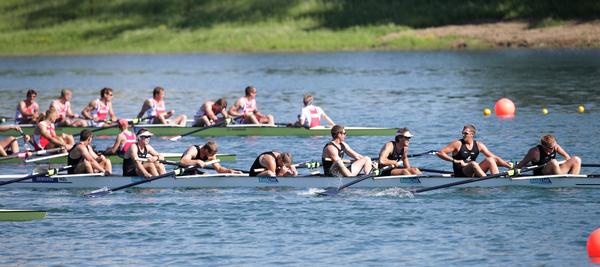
(432, 93)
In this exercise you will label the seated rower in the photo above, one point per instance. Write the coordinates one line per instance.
(83, 159)
(123, 141)
(45, 134)
(311, 115)
(273, 164)
(9, 145)
(141, 159)
(545, 153)
(464, 155)
(207, 114)
(246, 111)
(97, 111)
(154, 109)
(28, 110)
(333, 153)
(65, 115)
(394, 153)
(198, 156)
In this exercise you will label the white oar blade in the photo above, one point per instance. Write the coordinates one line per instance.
(98, 192)
(176, 138)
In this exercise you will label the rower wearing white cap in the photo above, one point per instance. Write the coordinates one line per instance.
(124, 140)
(333, 153)
(141, 159)
(394, 153)
(464, 155)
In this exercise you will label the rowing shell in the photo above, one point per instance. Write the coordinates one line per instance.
(229, 130)
(21, 215)
(242, 180)
(114, 159)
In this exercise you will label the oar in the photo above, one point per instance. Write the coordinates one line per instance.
(35, 146)
(30, 160)
(436, 171)
(176, 138)
(105, 128)
(178, 164)
(509, 173)
(430, 152)
(334, 190)
(590, 165)
(105, 190)
(3, 119)
(48, 172)
(23, 155)
(306, 164)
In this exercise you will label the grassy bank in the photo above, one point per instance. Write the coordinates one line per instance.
(153, 26)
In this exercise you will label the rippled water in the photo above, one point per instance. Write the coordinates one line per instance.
(432, 93)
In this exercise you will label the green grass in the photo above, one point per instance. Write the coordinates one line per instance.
(157, 26)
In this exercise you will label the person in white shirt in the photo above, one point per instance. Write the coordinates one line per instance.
(311, 114)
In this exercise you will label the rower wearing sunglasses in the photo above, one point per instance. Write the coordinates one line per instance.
(545, 153)
(395, 153)
(141, 159)
(333, 154)
(464, 155)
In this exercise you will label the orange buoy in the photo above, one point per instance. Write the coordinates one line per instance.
(593, 245)
(505, 108)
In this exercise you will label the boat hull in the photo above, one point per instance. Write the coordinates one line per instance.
(230, 130)
(233, 180)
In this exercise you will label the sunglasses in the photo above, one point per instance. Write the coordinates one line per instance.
(465, 133)
(145, 137)
(344, 133)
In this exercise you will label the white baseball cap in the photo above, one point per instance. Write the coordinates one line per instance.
(404, 133)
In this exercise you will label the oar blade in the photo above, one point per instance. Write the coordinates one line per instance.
(330, 191)
(175, 138)
(98, 192)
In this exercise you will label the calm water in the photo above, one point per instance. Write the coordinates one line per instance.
(432, 93)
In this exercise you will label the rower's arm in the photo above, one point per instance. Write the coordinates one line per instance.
(351, 152)
(111, 112)
(115, 147)
(87, 111)
(138, 163)
(562, 152)
(329, 120)
(233, 111)
(84, 151)
(145, 108)
(209, 113)
(483, 148)
(383, 154)
(187, 158)
(221, 169)
(331, 153)
(23, 109)
(449, 149)
(154, 153)
(405, 162)
(269, 163)
(54, 140)
(531, 155)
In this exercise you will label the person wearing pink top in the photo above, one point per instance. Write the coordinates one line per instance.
(246, 111)
(27, 109)
(97, 112)
(154, 109)
(66, 117)
(124, 140)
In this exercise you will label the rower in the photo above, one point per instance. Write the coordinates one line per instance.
(83, 159)
(311, 115)
(154, 109)
(545, 153)
(141, 159)
(65, 115)
(207, 114)
(273, 163)
(97, 111)
(246, 111)
(10, 145)
(123, 141)
(464, 155)
(45, 133)
(197, 155)
(333, 153)
(27, 109)
(394, 153)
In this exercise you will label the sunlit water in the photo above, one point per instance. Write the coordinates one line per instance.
(432, 93)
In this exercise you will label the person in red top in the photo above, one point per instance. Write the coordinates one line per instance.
(46, 136)
(311, 114)
(66, 117)
(246, 111)
(10, 145)
(27, 109)
(207, 114)
(98, 111)
(124, 140)
(154, 109)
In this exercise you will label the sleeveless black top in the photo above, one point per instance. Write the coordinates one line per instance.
(465, 155)
(328, 163)
(544, 158)
(129, 163)
(74, 162)
(257, 165)
(395, 155)
(197, 157)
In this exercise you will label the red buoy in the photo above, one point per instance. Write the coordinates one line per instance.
(593, 245)
(505, 108)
